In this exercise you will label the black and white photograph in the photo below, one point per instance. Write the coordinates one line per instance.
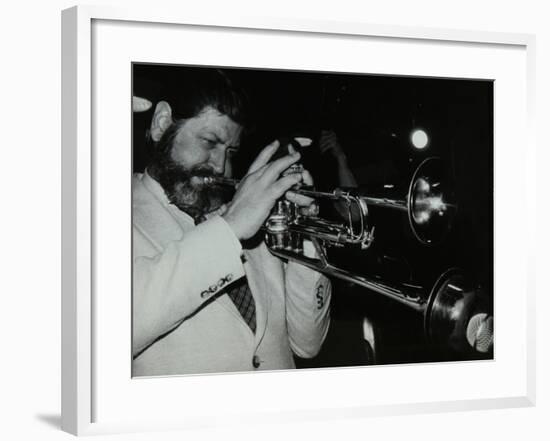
(306, 219)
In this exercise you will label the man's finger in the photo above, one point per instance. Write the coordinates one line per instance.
(298, 199)
(280, 187)
(252, 176)
(307, 179)
(264, 156)
(324, 148)
(274, 170)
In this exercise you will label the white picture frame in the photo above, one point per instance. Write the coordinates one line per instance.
(81, 349)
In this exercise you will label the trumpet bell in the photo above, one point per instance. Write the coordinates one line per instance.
(456, 315)
(430, 204)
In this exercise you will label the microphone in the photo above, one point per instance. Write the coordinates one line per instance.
(479, 332)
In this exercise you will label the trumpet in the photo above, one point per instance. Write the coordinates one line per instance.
(451, 307)
(425, 200)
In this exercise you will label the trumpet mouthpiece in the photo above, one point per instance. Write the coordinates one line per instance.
(218, 180)
(207, 180)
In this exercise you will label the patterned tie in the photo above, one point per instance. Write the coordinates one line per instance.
(242, 297)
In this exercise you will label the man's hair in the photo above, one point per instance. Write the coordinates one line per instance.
(209, 88)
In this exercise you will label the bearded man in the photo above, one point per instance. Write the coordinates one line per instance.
(202, 300)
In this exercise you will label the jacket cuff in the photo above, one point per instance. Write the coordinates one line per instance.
(219, 227)
(223, 250)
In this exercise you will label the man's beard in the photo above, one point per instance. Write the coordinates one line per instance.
(186, 189)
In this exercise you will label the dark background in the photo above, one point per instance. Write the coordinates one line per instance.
(373, 117)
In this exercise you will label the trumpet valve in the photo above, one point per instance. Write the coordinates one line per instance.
(277, 231)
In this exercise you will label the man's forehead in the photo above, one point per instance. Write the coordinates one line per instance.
(219, 124)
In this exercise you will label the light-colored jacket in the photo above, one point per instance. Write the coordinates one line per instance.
(183, 324)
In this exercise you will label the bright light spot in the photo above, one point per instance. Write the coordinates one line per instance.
(436, 203)
(419, 138)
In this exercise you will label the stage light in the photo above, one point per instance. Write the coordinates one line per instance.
(419, 139)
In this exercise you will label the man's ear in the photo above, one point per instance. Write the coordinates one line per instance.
(162, 119)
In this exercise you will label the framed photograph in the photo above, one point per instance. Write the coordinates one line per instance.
(317, 211)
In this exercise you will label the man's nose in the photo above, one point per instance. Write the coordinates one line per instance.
(217, 160)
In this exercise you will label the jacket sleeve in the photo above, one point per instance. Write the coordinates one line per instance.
(176, 282)
(307, 309)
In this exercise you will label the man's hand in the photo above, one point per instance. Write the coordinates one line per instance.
(259, 190)
(328, 143)
(306, 204)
